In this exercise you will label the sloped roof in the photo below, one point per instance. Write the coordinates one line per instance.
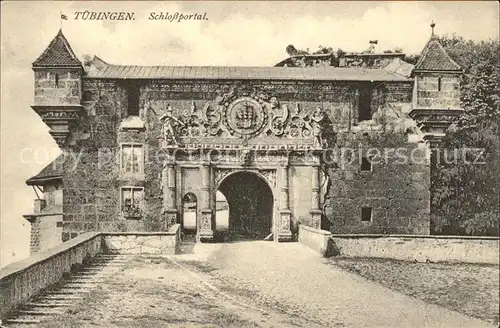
(435, 58)
(400, 67)
(241, 73)
(51, 172)
(58, 53)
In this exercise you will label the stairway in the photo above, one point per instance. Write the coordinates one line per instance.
(58, 299)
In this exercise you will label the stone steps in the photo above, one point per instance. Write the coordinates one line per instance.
(61, 297)
(46, 305)
(67, 291)
(24, 321)
(43, 312)
(56, 300)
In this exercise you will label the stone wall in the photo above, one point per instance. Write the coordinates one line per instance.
(143, 243)
(438, 91)
(92, 177)
(25, 279)
(418, 248)
(57, 86)
(396, 191)
(21, 280)
(316, 239)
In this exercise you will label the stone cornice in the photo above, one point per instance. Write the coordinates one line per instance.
(58, 118)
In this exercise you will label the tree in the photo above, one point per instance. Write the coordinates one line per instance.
(466, 193)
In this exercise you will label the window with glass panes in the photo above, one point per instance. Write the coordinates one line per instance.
(132, 200)
(132, 159)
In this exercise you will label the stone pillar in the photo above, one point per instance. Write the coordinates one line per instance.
(315, 198)
(282, 229)
(205, 225)
(169, 204)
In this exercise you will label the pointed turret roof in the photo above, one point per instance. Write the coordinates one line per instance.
(58, 54)
(435, 58)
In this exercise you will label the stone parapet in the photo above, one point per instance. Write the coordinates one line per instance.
(143, 242)
(315, 239)
(418, 248)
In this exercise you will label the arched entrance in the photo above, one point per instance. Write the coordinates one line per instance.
(251, 202)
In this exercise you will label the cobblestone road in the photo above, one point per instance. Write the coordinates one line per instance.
(292, 279)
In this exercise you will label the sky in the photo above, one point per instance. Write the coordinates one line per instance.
(236, 33)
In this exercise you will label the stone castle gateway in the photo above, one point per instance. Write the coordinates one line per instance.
(144, 145)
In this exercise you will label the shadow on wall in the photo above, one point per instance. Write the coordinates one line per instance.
(332, 249)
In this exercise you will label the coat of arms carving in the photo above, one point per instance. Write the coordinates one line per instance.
(245, 116)
(247, 113)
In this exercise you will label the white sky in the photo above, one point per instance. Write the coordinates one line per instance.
(236, 33)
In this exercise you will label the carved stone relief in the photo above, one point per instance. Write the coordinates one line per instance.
(245, 114)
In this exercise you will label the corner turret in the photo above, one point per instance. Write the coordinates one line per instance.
(436, 96)
(58, 87)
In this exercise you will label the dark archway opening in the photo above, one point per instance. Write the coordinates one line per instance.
(250, 201)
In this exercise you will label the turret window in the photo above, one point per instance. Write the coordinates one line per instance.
(439, 84)
(56, 80)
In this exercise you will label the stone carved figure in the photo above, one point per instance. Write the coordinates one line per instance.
(316, 119)
(325, 184)
(168, 131)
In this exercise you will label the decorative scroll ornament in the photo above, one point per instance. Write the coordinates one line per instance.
(270, 176)
(220, 174)
(206, 221)
(285, 223)
(245, 113)
(59, 115)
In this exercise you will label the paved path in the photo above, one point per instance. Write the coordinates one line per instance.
(294, 280)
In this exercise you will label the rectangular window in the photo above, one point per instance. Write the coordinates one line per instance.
(132, 158)
(365, 104)
(132, 199)
(56, 80)
(133, 99)
(439, 84)
(366, 214)
(366, 164)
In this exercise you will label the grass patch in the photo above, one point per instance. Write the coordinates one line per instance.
(471, 289)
